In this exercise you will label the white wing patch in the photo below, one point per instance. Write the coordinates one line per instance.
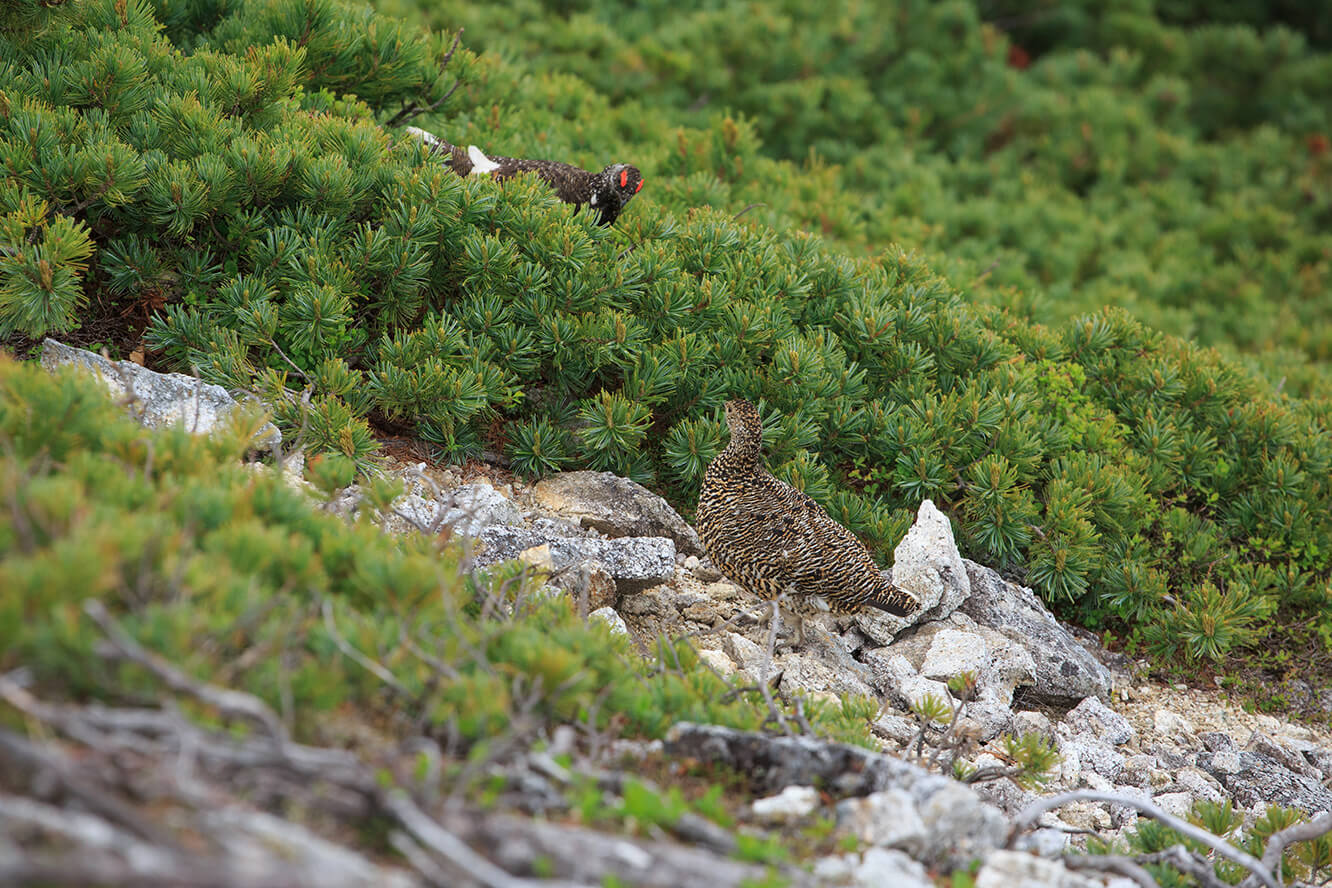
(430, 140)
(593, 201)
(480, 163)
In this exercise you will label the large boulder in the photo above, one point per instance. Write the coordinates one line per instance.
(927, 564)
(634, 562)
(471, 507)
(1065, 672)
(464, 510)
(937, 818)
(615, 506)
(157, 399)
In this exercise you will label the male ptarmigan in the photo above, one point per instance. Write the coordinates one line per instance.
(607, 192)
(769, 538)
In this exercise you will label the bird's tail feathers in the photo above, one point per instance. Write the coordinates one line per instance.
(893, 599)
(480, 163)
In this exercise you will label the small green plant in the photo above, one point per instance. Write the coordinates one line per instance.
(1031, 758)
(760, 849)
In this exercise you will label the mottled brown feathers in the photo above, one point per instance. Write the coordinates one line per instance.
(769, 538)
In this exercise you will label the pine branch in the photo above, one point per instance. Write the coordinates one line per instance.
(412, 109)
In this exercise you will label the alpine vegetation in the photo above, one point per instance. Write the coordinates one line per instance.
(215, 186)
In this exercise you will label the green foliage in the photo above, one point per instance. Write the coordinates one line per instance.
(1100, 154)
(226, 161)
(1035, 757)
(1031, 757)
(42, 262)
(203, 560)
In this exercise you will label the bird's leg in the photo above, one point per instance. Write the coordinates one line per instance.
(774, 621)
(799, 640)
(796, 639)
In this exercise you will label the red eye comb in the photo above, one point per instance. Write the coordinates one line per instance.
(624, 178)
(638, 187)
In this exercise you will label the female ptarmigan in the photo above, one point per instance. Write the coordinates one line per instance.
(770, 538)
(607, 192)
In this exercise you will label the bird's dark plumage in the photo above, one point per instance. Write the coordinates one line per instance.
(606, 192)
(770, 538)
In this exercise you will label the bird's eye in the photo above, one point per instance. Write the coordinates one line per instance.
(638, 187)
(624, 178)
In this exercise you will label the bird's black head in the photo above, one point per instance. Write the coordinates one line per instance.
(614, 187)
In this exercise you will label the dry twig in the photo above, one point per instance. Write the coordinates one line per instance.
(231, 703)
(1030, 814)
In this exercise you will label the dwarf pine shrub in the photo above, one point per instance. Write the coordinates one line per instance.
(227, 167)
(1100, 154)
(227, 571)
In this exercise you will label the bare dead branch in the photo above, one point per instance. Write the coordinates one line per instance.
(85, 787)
(992, 772)
(1119, 865)
(412, 109)
(1030, 814)
(231, 703)
(1300, 832)
(449, 847)
(775, 622)
(1190, 863)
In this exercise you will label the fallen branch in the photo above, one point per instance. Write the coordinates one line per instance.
(448, 846)
(230, 703)
(84, 787)
(1128, 867)
(1029, 815)
(1278, 842)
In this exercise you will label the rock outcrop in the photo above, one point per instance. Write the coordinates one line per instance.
(157, 399)
(615, 506)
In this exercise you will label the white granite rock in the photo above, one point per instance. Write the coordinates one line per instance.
(1094, 717)
(792, 803)
(1011, 869)
(610, 618)
(887, 819)
(1085, 752)
(1177, 803)
(927, 564)
(884, 868)
(470, 508)
(1171, 724)
(157, 399)
(615, 506)
(717, 660)
(959, 826)
(636, 563)
(1064, 672)
(953, 651)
